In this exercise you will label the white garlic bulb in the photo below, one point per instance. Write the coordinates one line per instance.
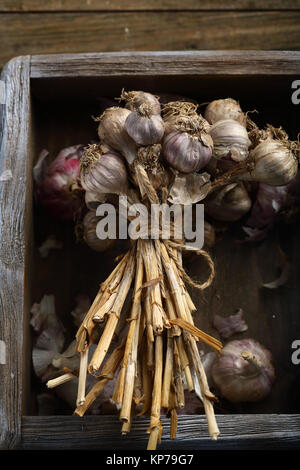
(274, 163)
(111, 131)
(102, 172)
(244, 371)
(230, 138)
(90, 236)
(226, 108)
(229, 203)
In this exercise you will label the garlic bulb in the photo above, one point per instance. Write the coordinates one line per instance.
(227, 108)
(274, 163)
(187, 145)
(90, 236)
(228, 203)
(141, 101)
(112, 132)
(244, 371)
(230, 138)
(144, 124)
(269, 200)
(103, 172)
(145, 129)
(56, 184)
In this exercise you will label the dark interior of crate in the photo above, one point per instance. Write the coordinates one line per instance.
(62, 111)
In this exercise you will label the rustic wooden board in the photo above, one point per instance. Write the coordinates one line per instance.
(15, 248)
(103, 432)
(152, 64)
(81, 32)
(103, 5)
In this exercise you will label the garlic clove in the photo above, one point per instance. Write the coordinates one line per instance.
(228, 326)
(41, 359)
(274, 163)
(244, 371)
(227, 108)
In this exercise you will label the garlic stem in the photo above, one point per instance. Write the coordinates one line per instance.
(82, 377)
(60, 380)
(254, 365)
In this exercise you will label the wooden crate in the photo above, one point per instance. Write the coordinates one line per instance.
(48, 104)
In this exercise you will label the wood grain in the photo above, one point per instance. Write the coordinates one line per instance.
(15, 195)
(152, 64)
(103, 432)
(81, 32)
(104, 5)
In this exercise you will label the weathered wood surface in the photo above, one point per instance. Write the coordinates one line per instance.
(35, 33)
(15, 195)
(104, 5)
(167, 63)
(103, 432)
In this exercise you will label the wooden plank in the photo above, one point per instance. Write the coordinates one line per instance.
(14, 195)
(166, 63)
(130, 5)
(103, 432)
(74, 32)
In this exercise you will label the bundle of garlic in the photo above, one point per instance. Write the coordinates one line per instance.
(153, 157)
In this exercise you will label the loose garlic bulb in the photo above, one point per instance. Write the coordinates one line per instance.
(227, 108)
(244, 371)
(111, 131)
(228, 203)
(230, 138)
(274, 163)
(102, 172)
(90, 237)
(144, 124)
(187, 146)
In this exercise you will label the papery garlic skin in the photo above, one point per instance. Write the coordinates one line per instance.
(185, 153)
(103, 173)
(227, 108)
(111, 131)
(90, 236)
(55, 183)
(274, 163)
(244, 371)
(229, 203)
(230, 139)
